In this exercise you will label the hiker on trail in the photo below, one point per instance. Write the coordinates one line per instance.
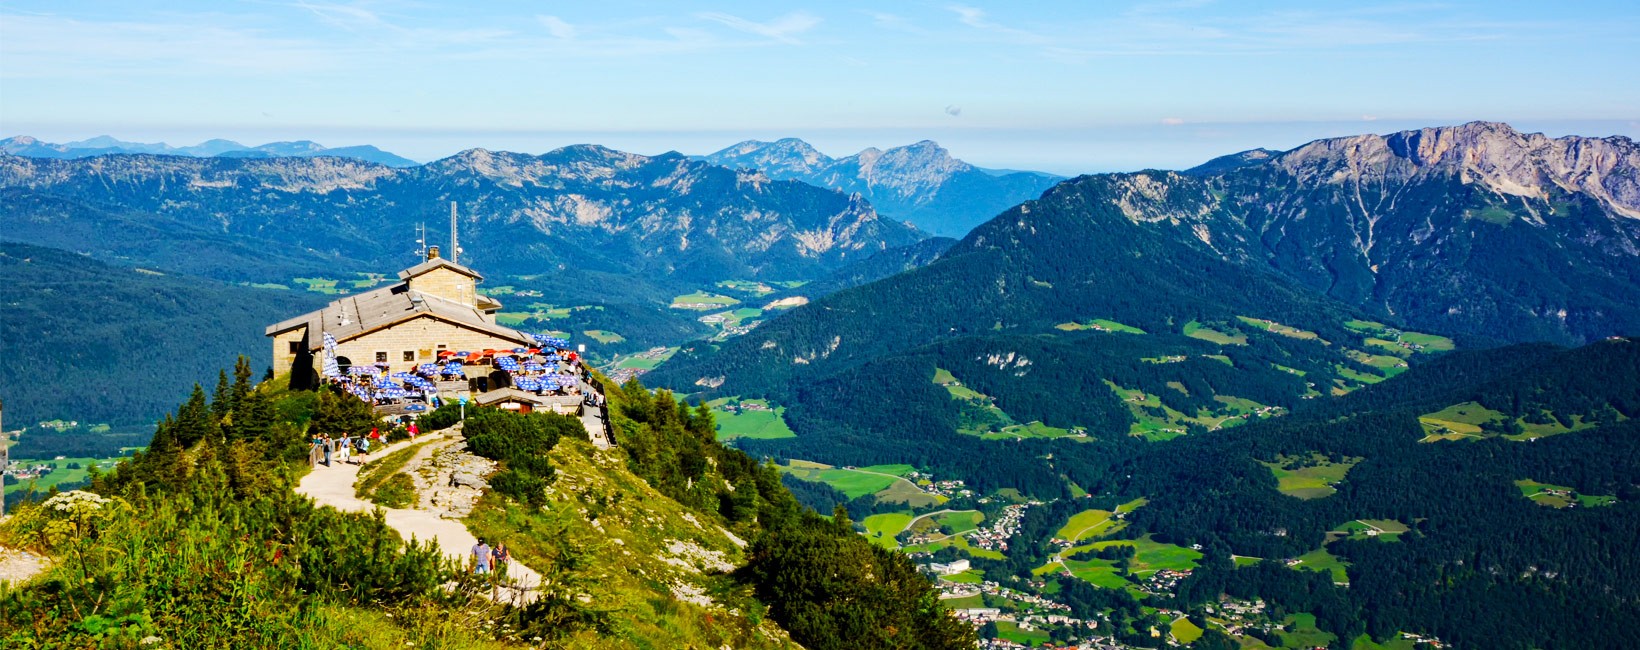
(324, 441)
(499, 558)
(341, 449)
(481, 558)
(364, 448)
(413, 429)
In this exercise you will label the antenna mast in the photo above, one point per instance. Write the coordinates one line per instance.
(421, 240)
(455, 252)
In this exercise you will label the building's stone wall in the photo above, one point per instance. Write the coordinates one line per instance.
(447, 284)
(283, 357)
(421, 336)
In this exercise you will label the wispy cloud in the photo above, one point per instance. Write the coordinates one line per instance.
(977, 18)
(557, 27)
(784, 29)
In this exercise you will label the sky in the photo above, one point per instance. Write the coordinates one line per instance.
(1067, 87)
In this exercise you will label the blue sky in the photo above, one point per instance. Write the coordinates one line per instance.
(1061, 86)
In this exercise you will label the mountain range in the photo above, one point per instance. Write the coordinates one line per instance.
(579, 209)
(920, 182)
(103, 145)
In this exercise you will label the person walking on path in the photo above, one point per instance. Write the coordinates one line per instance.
(364, 449)
(499, 557)
(481, 557)
(413, 429)
(341, 449)
(324, 441)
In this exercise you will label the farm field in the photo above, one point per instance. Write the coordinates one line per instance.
(969, 577)
(647, 360)
(1088, 524)
(1010, 630)
(1321, 560)
(1150, 556)
(604, 336)
(853, 482)
(1301, 632)
(1186, 632)
(1383, 530)
(996, 424)
(1277, 328)
(1559, 496)
(1100, 324)
(702, 301)
(1457, 422)
(60, 473)
(1312, 482)
(881, 528)
(1386, 337)
(1195, 330)
(757, 424)
(1172, 423)
(751, 287)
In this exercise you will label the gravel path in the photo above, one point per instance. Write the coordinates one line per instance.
(333, 486)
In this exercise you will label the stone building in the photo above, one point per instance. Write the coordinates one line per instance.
(434, 307)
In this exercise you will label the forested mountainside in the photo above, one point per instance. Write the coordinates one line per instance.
(920, 182)
(581, 210)
(1474, 229)
(1492, 558)
(23, 145)
(82, 340)
(671, 541)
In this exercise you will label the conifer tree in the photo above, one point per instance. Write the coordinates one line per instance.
(194, 420)
(221, 398)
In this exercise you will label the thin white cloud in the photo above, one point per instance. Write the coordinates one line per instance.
(557, 27)
(784, 29)
(976, 18)
(1172, 121)
(953, 110)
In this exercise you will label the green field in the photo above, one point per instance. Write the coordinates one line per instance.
(1400, 342)
(1559, 496)
(1186, 632)
(994, 423)
(853, 483)
(1277, 328)
(1100, 324)
(1088, 524)
(1383, 530)
(881, 528)
(1301, 632)
(1321, 560)
(703, 301)
(1172, 424)
(1365, 642)
(1457, 422)
(1150, 556)
(754, 424)
(604, 336)
(325, 286)
(960, 522)
(59, 474)
(1313, 482)
(1010, 630)
(1195, 330)
(754, 288)
(969, 577)
(644, 363)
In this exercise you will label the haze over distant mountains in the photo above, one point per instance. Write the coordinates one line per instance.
(920, 182)
(23, 145)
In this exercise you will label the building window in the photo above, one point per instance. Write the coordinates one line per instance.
(381, 357)
(409, 355)
(442, 347)
(295, 347)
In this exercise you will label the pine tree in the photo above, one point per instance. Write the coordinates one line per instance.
(241, 380)
(221, 399)
(194, 420)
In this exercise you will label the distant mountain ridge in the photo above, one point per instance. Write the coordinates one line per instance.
(1471, 229)
(920, 182)
(23, 145)
(583, 208)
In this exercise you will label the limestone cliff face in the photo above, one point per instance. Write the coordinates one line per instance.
(1488, 154)
(1473, 229)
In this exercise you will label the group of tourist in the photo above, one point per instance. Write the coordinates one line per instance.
(487, 559)
(352, 449)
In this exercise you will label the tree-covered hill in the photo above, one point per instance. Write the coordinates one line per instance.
(87, 341)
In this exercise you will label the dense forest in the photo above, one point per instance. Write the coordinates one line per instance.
(103, 344)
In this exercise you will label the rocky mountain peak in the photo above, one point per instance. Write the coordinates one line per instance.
(1491, 154)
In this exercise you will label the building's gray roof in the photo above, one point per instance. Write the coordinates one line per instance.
(360, 314)
(438, 262)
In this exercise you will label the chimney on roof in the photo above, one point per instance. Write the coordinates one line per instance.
(432, 252)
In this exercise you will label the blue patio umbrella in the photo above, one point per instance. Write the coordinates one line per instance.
(520, 350)
(507, 363)
(416, 407)
(393, 392)
(402, 375)
(428, 368)
(381, 383)
(531, 366)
